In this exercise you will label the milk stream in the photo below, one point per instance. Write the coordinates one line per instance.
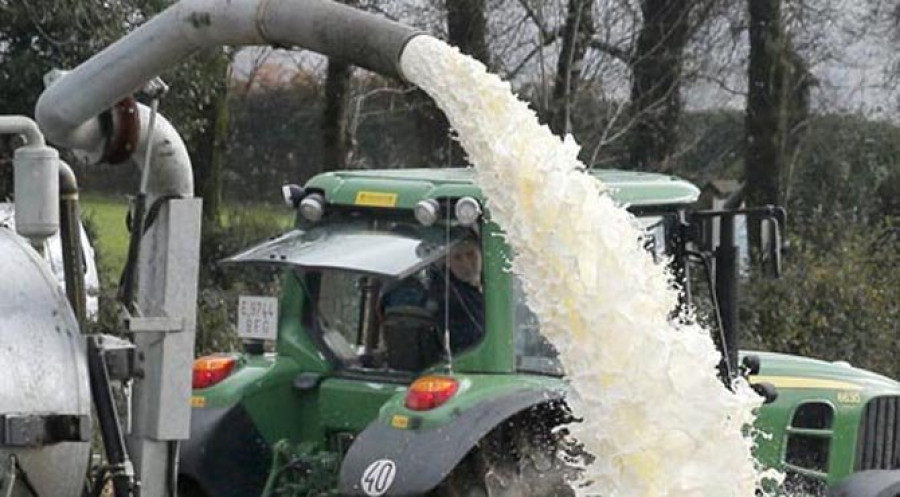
(655, 415)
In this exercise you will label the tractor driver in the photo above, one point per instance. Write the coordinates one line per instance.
(424, 302)
(461, 300)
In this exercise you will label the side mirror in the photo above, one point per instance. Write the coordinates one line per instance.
(766, 391)
(750, 365)
(771, 249)
(773, 244)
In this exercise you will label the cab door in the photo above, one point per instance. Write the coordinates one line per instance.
(346, 265)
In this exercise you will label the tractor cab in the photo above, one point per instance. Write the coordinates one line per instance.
(397, 318)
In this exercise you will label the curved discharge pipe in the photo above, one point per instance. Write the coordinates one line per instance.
(67, 111)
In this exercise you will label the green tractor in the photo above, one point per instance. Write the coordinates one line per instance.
(406, 361)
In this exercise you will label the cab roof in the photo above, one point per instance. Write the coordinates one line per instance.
(403, 188)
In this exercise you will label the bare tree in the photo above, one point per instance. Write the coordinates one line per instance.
(576, 37)
(778, 86)
(657, 77)
(656, 81)
(467, 28)
(211, 141)
(776, 75)
(619, 50)
(336, 141)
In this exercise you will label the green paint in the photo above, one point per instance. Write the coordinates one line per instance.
(413, 185)
(775, 420)
(495, 353)
(348, 406)
(318, 422)
(473, 390)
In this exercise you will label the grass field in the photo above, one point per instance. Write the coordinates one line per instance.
(107, 216)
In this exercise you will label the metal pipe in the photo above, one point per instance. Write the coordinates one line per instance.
(727, 288)
(336, 30)
(169, 172)
(727, 292)
(21, 125)
(70, 235)
(67, 110)
(122, 473)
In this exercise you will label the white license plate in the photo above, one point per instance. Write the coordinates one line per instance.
(258, 317)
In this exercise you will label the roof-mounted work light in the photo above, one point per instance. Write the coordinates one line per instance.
(312, 207)
(468, 210)
(427, 212)
(292, 195)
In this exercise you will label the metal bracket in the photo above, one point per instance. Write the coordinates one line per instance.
(154, 324)
(35, 430)
(119, 356)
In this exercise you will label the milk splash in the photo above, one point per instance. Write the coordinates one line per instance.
(655, 415)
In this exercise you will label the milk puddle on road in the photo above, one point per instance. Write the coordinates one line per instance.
(660, 422)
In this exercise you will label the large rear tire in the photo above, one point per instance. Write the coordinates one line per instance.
(524, 457)
(189, 488)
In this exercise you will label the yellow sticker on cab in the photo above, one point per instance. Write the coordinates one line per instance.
(198, 401)
(400, 421)
(376, 199)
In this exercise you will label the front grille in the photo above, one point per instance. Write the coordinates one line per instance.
(878, 446)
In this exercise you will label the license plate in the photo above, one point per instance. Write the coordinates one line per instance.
(258, 317)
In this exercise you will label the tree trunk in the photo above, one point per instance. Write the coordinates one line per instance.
(656, 82)
(467, 28)
(778, 83)
(577, 34)
(336, 142)
(765, 104)
(209, 156)
(212, 190)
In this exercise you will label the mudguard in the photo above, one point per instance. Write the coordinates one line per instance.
(225, 456)
(387, 461)
(878, 483)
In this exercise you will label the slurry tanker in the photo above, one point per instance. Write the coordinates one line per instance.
(405, 361)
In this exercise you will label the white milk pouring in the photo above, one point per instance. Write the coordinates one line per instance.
(657, 418)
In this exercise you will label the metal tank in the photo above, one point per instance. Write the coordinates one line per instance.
(45, 403)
